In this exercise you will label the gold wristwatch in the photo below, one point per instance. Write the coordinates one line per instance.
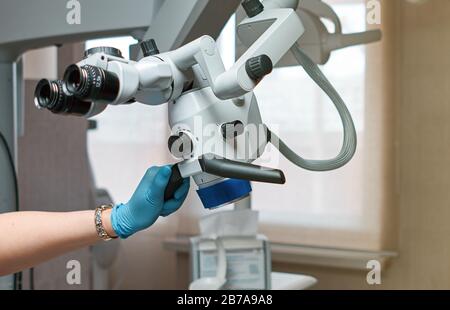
(101, 231)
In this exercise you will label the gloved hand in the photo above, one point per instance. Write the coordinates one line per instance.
(147, 203)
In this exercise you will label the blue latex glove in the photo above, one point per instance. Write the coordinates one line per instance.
(147, 203)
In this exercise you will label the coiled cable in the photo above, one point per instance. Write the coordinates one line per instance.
(349, 141)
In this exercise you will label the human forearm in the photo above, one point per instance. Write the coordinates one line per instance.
(29, 238)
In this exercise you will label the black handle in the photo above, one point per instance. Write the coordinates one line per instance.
(238, 170)
(175, 182)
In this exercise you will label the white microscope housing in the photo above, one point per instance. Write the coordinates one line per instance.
(216, 127)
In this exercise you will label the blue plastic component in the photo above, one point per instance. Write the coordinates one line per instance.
(224, 192)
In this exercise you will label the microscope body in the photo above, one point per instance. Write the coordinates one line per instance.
(216, 126)
(230, 129)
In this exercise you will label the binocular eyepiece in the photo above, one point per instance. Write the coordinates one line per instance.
(53, 96)
(91, 83)
(80, 86)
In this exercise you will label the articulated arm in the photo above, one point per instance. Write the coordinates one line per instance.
(316, 41)
(285, 29)
(159, 78)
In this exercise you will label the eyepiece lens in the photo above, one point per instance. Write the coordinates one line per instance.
(91, 83)
(51, 95)
(45, 94)
(73, 78)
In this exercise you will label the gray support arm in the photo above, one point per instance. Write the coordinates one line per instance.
(33, 24)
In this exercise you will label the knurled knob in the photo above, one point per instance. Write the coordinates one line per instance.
(258, 67)
(252, 7)
(149, 48)
(112, 51)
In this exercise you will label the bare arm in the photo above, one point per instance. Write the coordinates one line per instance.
(30, 238)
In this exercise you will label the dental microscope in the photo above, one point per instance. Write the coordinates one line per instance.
(217, 131)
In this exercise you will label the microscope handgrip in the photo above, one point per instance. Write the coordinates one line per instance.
(238, 170)
(175, 181)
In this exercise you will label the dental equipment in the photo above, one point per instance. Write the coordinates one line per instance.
(217, 130)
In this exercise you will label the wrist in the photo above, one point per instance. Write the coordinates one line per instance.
(101, 222)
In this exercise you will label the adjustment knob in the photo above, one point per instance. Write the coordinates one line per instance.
(149, 48)
(258, 67)
(112, 51)
(180, 145)
(252, 7)
(232, 129)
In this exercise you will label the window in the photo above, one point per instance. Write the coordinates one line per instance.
(332, 209)
(307, 120)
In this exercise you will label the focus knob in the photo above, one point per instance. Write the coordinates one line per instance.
(181, 145)
(103, 49)
(149, 48)
(258, 67)
(232, 129)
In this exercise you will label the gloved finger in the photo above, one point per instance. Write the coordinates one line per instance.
(146, 180)
(175, 203)
(160, 182)
(183, 189)
(170, 207)
(149, 175)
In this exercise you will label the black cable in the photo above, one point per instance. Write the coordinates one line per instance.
(18, 275)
